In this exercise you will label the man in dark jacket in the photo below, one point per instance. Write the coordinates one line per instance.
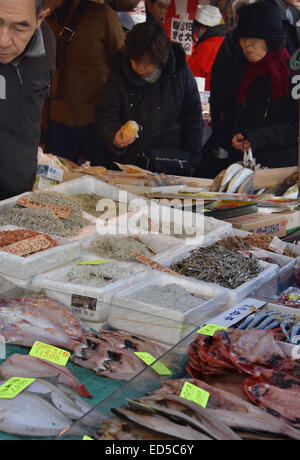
(27, 65)
(156, 10)
(152, 85)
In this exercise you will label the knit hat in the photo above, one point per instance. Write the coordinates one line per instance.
(208, 15)
(260, 20)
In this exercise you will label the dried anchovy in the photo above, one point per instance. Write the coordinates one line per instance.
(218, 265)
(238, 243)
(88, 203)
(45, 220)
(98, 275)
(263, 241)
(119, 248)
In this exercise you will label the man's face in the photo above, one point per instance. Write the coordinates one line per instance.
(158, 9)
(18, 23)
(295, 3)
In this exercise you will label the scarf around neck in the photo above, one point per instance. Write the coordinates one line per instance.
(273, 64)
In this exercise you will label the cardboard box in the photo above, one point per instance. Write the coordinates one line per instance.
(269, 224)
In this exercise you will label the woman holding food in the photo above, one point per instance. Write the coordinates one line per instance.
(152, 87)
(266, 116)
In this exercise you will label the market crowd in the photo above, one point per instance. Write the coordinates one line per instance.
(74, 72)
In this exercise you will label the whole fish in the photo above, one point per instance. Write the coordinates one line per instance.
(238, 179)
(27, 366)
(247, 321)
(29, 415)
(259, 317)
(38, 318)
(230, 172)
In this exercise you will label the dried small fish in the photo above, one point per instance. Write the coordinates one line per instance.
(218, 265)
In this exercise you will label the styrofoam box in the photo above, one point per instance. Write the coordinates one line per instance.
(53, 285)
(26, 267)
(287, 265)
(229, 319)
(161, 323)
(269, 274)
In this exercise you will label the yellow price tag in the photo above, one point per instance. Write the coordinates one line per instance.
(50, 353)
(95, 262)
(158, 367)
(87, 438)
(14, 386)
(195, 394)
(294, 296)
(210, 329)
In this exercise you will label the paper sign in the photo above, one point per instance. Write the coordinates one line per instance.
(277, 245)
(294, 297)
(61, 211)
(195, 394)
(152, 263)
(157, 367)
(210, 329)
(28, 246)
(238, 312)
(50, 353)
(14, 386)
(95, 262)
(87, 438)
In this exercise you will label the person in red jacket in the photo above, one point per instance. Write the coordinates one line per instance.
(210, 35)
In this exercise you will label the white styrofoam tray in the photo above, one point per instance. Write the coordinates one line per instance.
(54, 285)
(163, 324)
(35, 264)
(269, 274)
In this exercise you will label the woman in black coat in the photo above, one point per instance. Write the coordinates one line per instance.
(266, 117)
(152, 85)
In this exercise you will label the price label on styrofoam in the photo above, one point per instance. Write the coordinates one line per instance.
(87, 438)
(277, 245)
(210, 329)
(195, 394)
(158, 367)
(50, 353)
(14, 386)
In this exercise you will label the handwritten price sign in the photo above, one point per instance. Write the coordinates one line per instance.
(50, 353)
(14, 386)
(195, 394)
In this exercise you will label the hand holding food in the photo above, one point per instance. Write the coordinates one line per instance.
(240, 143)
(127, 134)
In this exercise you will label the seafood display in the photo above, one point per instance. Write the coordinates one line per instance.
(111, 354)
(89, 202)
(29, 319)
(41, 215)
(30, 367)
(286, 327)
(290, 296)
(119, 248)
(234, 179)
(256, 355)
(218, 265)
(262, 241)
(164, 415)
(49, 408)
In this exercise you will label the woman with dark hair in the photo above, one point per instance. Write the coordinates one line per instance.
(266, 115)
(152, 85)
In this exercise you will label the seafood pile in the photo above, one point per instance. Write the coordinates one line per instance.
(164, 415)
(169, 296)
(44, 219)
(262, 241)
(291, 296)
(286, 327)
(119, 248)
(99, 275)
(50, 408)
(88, 203)
(234, 179)
(9, 238)
(270, 379)
(218, 265)
(111, 354)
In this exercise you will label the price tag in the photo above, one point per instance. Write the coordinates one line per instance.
(158, 367)
(152, 263)
(277, 245)
(61, 211)
(95, 262)
(294, 297)
(50, 353)
(210, 329)
(28, 246)
(87, 438)
(14, 386)
(195, 394)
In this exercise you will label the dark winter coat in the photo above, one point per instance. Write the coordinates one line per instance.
(271, 125)
(169, 111)
(24, 85)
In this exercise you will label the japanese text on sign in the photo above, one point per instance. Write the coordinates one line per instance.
(50, 353)
(181, 32)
